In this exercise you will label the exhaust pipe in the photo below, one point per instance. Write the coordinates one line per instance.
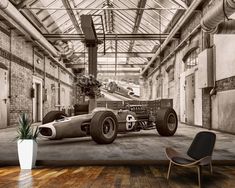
(12, 12)
(212, 19)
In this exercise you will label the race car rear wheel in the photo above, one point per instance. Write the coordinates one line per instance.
(53, 115)
(166, 122)
(103, 127)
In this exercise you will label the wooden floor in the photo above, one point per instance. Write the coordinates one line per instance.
(114, 176)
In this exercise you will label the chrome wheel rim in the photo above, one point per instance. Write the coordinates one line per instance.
(171, 122)
(108, 127)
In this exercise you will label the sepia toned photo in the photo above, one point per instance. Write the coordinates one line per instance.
(117, 93)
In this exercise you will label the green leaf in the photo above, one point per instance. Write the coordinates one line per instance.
(25, 130)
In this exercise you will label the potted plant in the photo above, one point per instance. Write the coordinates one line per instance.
(26, 144)
(90, 87)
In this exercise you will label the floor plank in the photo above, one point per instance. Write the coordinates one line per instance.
(114, 177)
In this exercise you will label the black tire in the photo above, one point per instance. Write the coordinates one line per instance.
(166, 122)
(53, 115)
(103, 127)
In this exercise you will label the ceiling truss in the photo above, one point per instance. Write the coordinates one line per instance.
(139, 15)
(134, 29)
(72, 15)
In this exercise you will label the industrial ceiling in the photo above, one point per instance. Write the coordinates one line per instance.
(131, 31)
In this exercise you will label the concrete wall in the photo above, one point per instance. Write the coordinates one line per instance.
(223, 103)
(225, 56)
(25, 62)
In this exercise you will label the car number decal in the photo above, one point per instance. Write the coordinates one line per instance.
(130, 122)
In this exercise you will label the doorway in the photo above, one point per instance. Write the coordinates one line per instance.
(189, 98)
(3, 95)
(37, 99)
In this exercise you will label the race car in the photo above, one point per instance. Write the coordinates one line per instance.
(104, 124)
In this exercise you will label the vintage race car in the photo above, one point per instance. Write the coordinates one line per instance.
(103, 124)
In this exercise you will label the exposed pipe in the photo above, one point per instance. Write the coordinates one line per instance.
(55, 60)
(227, 27)
(180, 23)
(66, 48)
(4, 4)
(176, 49)
(216, 15)
(12, 12)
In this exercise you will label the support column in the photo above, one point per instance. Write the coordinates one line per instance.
(92, 59)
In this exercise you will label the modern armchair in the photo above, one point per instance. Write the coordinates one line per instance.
(199, 154)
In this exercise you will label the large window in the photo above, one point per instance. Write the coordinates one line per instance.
(191, 59)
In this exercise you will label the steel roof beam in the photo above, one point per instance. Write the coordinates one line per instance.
(103, 65)
(114, 9)
(180, 3)
(34, 20)
(24, 3)
(119, 54)
(31, 15)
(108, 16)
(139, 14)
(71, 15)
(110, 36)
(162, 6)
(119, 71)
(124, 65)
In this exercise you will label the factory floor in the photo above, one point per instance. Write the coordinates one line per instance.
(144, 147)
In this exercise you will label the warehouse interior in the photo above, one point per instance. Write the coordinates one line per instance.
(179, 51)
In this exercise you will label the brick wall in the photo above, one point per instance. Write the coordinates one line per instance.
(25, 61)
(21, 83)
(206, 108)
(225, 84)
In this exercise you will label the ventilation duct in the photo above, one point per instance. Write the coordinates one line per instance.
(4, 4)
(66, 49)
(13, 13)
(177, 27)
(212, 19)
(226, 27)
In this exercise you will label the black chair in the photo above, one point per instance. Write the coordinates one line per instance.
(199, 154)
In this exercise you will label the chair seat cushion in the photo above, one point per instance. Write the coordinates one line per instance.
(181, 160)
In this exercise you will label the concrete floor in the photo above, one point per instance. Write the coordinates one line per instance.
(144, 145)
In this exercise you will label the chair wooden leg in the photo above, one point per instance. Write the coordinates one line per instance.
(169, 170)
(199, 171)
(211, 170)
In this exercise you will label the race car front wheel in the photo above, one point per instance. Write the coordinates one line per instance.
(103, 127)
(166, 122)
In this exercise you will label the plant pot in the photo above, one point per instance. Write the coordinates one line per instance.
(92, 104)
(27, 153)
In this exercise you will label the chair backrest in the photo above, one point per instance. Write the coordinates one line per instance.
(202, 145)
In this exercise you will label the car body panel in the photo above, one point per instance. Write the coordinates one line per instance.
(132, 118)
(77, 126)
